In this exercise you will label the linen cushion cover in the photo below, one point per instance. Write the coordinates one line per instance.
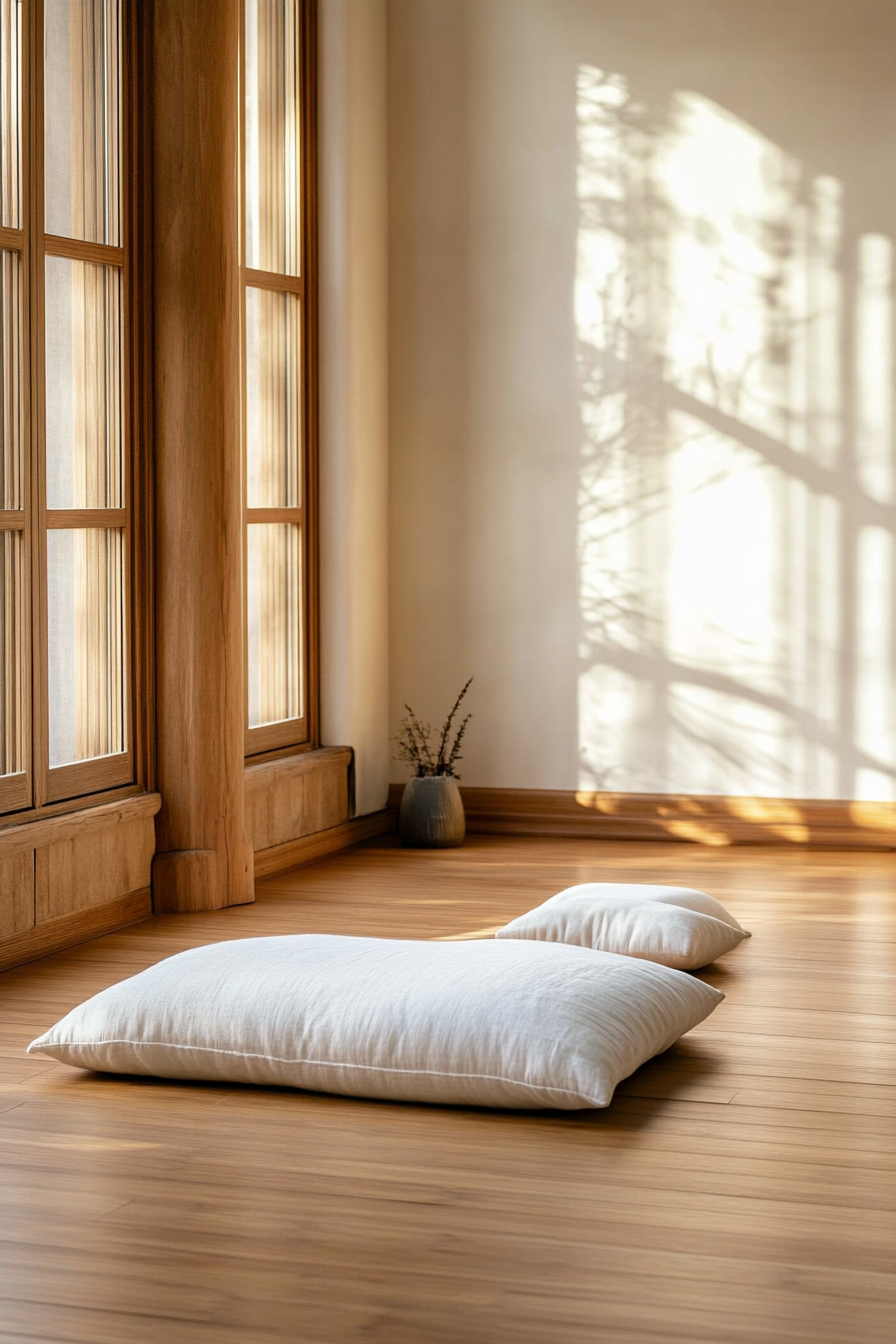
(686, 897)
(658, 924)
(514, 1023)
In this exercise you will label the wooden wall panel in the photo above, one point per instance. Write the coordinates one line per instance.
(92, 869)
(75, 875)
(16, 894)
(297, 796)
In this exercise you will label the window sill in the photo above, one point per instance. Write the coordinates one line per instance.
(52, 830)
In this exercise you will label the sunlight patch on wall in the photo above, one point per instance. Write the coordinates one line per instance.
(735, 371)
(609, 710)
(875, 727)
(874, 367)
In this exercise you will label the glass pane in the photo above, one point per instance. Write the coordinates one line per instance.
(275, 622)
(10, 113)
(86, 663)
(84, 385)
(273, 399)
(82, 82)
(12, 376)
(272, 136)
(12, 653)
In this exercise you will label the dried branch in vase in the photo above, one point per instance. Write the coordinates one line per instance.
(413, 741)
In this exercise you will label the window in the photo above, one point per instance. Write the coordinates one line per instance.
(66, 402)
(279, 377)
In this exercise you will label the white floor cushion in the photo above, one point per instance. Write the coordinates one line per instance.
(625, 919)
(686, 897)
(512, 1023)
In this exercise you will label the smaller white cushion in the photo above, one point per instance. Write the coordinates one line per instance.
(686, 897)
(625, 919)
(478, 1023)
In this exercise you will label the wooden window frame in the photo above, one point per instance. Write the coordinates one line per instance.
(290, 735)
(42, 789)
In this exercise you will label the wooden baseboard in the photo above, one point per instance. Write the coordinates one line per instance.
(312, 848)
(57, 935)
(706, 820)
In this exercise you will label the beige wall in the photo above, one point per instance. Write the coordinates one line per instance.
(353, 390)
(641, 389)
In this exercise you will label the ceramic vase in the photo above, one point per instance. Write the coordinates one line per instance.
(431, 815)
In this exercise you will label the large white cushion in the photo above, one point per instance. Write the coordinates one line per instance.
(476, 1023)
(633, 921)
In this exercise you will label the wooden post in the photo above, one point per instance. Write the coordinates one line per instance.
(203, 860)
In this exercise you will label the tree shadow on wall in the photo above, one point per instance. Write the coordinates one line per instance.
(736, 550)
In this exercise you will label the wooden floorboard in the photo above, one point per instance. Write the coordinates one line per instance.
(741, 1189)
